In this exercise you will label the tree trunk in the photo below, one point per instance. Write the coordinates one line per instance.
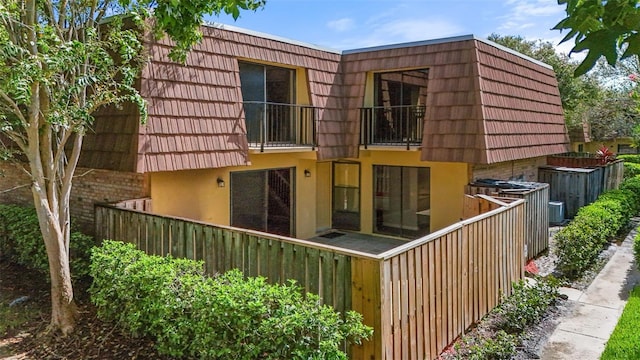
(64, 312)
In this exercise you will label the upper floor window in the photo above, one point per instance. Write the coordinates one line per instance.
(269, 101)
(401, 88)
(399, 108)
(264, 83)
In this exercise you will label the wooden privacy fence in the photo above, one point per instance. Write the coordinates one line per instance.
(574, 160)
(612, 175)
(577, 187)
(434, 288)
(318, 269)
(536, 213)
(142, 204)
(419, 297)
(479, 204)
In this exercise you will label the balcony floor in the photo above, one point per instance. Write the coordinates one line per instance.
(372, 244)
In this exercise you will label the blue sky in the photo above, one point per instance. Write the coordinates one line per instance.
(351, 24)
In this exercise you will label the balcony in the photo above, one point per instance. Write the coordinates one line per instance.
(271, 125)
(392, 125)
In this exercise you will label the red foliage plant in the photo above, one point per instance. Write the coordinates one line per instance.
(605, 155)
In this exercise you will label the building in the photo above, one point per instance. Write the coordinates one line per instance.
(270, 134)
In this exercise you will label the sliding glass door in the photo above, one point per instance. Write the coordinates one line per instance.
(262, 200)
(401, 200)
(267, 93)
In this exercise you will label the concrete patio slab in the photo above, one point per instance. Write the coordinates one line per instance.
(372, 244)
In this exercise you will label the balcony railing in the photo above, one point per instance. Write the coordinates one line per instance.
(392, 125)
(279, 125)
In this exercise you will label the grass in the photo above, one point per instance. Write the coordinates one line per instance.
(624, 343)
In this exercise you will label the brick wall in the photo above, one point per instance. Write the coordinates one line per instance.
(89, 186)
(525, 170)
(15, 187)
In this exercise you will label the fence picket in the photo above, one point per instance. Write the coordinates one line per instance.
(418, 297)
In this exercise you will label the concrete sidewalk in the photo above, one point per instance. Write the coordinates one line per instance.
(584, 332)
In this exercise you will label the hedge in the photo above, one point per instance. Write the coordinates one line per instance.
(631, 170)
(228, 316)
(21, 241)
(630, 158)
(636, 247)
(580, 242)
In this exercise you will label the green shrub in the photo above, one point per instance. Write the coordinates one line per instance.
(580, 242)
(630, 158)
(631, 170)
(632, 185)
(636, 247)
(23, 238)
(228, 316)
(626, 198)
(501, 347)
(527, 304)
(21, 241)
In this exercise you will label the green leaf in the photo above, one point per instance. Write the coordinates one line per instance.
(633, 46)
(587, 64)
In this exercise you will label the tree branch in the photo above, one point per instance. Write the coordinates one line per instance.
(14, 108)
(17, 138)
(14, 188)
(65, 192)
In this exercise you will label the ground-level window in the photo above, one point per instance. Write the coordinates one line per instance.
(401, 200)
(263, 200)
(627, 149)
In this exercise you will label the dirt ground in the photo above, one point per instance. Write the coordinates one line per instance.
(20, 336)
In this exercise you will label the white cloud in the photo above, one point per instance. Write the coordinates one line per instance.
(398, 31)
(516, 26)
(523, 13)
(412, 30)
(341, 25)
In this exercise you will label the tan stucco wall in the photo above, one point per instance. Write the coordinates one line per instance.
(195, 193)
(593, 146)
(447, 185)
(323, 196)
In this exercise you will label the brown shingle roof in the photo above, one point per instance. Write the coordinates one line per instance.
(453, 123)
(521, 106)
(580, 133)
(112, 142)
(484, 104)
(195, 111)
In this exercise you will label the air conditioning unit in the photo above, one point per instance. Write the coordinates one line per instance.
(556, 212)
